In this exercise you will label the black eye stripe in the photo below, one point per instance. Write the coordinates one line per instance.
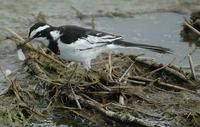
(39, 34)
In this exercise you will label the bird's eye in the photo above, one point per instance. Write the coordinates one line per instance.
(39, 34)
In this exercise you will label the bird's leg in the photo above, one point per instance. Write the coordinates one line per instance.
(87, 66)
(73, 92)
(76, 66)
(85, 74)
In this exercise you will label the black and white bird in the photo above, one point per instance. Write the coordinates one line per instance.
(79, 44)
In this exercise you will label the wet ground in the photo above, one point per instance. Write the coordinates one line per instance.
(147, 21)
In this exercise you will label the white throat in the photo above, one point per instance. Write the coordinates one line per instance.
(55, 34)
(43, 41)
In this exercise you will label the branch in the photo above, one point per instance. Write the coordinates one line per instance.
(21, 41)
(191, 27)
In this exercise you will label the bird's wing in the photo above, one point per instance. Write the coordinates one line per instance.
(91, 42)
(82, 38)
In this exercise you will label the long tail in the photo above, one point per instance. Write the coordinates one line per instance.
(144, 46)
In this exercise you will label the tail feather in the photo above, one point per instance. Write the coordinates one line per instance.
(158, 49)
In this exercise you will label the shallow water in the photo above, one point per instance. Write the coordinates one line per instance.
(152, 28)
(161, 29)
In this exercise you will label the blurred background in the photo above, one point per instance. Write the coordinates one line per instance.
(156, 22)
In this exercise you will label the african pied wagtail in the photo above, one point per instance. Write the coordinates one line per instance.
(80, 44)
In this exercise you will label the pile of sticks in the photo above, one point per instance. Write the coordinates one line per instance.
(127, 89)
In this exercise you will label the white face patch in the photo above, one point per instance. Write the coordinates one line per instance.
(55, 34)
(34, 32)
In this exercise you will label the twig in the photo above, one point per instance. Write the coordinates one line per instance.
(110, 65)
(101, 92)
(121, 98)
(160, 83)
(121, 87)
(158, 69)
(89, 84)
(55, 83)
(103, 86)
(16, 91)
(77, 102)
(192, 67)
(83, 116)
(48, 106)
(122, 77)
(121, 116)
(191, 27)
(121, 106)
(65, 107)
(79, 14)
(172, 71)
(12, 85)
(21, 41)
(4, 74)
(10, 117)
(136, 82)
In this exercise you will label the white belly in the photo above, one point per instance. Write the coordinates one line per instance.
(70, 53)
(82, 52)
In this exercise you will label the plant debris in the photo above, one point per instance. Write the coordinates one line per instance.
(191, 28)
(119, 89)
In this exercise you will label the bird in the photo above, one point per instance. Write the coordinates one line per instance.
(81, 45)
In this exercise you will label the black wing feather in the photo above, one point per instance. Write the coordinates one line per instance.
(73, 33)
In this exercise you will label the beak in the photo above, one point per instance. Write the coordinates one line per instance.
(27, 40)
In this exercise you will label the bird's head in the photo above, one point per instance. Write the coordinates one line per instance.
(38, 30)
